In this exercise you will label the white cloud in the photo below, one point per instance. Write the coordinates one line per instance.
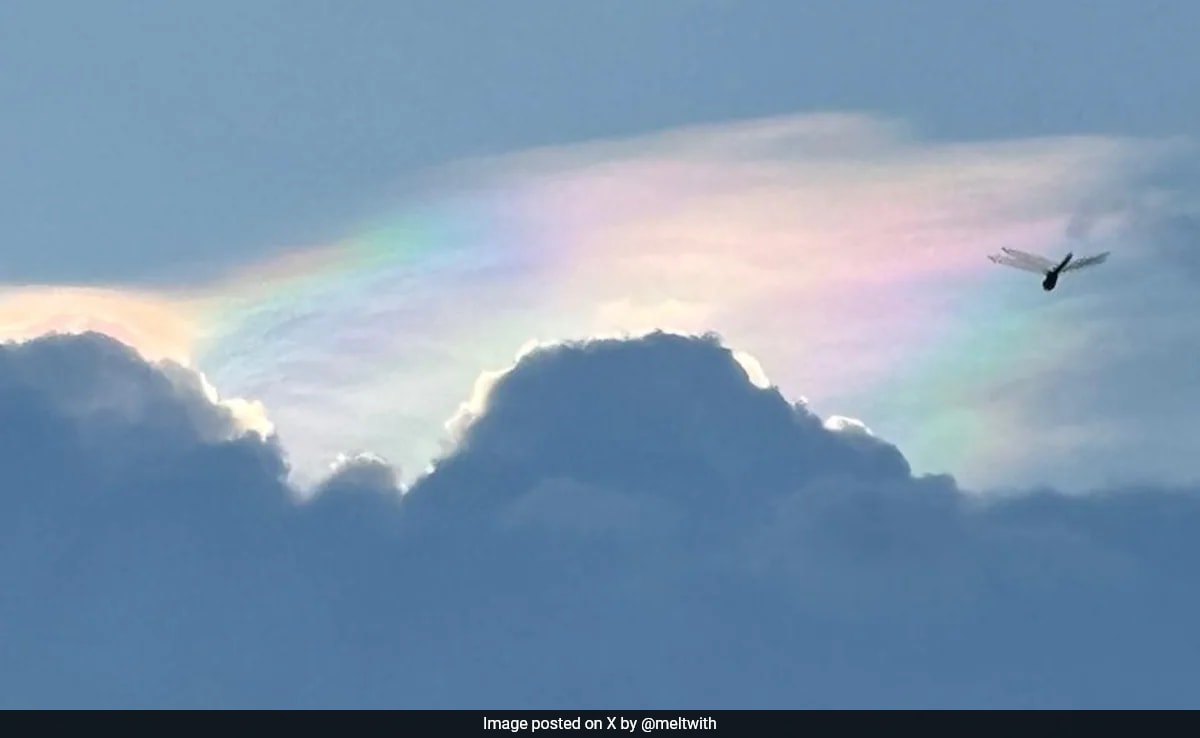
(842, 424)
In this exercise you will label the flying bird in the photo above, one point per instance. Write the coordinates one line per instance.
(1042, 265)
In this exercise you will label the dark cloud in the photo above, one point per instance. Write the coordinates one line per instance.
(362, 472)
(665, 417)
(630, 523)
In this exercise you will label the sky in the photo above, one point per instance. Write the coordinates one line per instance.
(569, 355)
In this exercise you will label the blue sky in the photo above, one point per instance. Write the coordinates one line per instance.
(137, 139)
(628, 520)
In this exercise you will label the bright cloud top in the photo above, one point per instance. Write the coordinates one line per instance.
(840, 251)
(163, 329)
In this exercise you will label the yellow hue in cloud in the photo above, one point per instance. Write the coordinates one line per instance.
(158, 327)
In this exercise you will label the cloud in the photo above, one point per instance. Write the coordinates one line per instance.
(627, 522)
(159, 328)
(364, 471)
(105, 391)
(1175, 235)
(1126, 399)
(640, 415)
(844, 251)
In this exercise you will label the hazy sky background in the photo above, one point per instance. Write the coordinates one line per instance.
(162, 146)
(351, 219)
(139, 140)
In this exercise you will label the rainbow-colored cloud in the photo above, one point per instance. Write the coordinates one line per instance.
(841, 251)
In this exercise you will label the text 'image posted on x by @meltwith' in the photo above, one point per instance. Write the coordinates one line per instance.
(598, 723)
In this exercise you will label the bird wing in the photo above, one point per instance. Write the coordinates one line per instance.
(1086, 261)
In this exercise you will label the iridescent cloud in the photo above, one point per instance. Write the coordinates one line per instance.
(843, 253)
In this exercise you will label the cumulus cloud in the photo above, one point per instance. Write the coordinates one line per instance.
(627, 522)
(361, 471)
(162, 330)
(845, 251)
(107, 394)
(635, 414)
